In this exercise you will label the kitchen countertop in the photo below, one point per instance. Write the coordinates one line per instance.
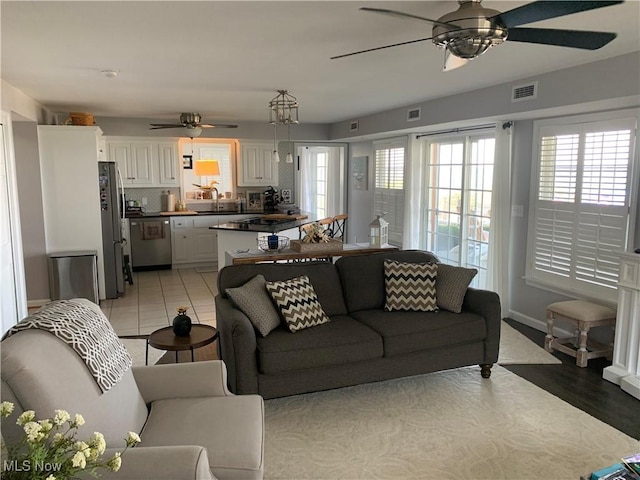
(274, 228)
(193, 213)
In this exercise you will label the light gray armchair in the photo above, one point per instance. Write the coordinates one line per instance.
(191, 426)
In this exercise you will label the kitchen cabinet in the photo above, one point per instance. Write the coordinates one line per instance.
(255, 165)
(168, 164)
(192, 242)
(144, 162)
(134, 161)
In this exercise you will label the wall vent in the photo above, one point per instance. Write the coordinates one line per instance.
(521, 93)
(354, 126)
(413, 114)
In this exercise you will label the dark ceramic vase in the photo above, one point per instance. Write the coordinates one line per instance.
(182, 323)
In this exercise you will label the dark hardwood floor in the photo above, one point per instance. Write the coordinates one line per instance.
(584, 388)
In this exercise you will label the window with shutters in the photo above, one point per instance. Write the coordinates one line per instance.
(389, 185)
(581, 201)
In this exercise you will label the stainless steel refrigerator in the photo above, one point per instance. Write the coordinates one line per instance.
(112, 240)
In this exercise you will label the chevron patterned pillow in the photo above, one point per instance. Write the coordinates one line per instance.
(298, 303)
(410, 286)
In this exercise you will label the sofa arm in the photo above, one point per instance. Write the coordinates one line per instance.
(181, 380)
(237, 346)
(486, 304)
(182, 462)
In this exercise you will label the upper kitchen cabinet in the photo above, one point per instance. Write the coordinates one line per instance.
(256, 166)
(144, 162)
(168, 175)
(134, 161)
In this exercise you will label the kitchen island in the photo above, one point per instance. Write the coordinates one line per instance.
(243, 234)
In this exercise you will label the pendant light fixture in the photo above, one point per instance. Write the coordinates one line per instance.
(283, 110)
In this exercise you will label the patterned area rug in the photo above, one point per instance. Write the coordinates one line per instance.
(515, 348)
(136, 348)
(445, 425)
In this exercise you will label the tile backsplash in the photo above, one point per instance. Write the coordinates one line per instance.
(153, 196)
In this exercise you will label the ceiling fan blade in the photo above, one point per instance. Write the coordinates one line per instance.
(155, 126)
(562, 38)
(382, 48)
(451, 62)
(217, 125)
(546, 9)
(396, 13)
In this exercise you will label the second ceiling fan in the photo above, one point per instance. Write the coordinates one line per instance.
(472, 29)
(191, 122)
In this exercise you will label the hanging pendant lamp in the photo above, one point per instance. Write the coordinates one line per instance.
(283, 110)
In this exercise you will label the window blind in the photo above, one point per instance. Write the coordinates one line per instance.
(581, 208)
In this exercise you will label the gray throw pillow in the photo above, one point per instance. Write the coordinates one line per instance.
(298, 303)
(410, 286)
(451, 286)
(255, 302)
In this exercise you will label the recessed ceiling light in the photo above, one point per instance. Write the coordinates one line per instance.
(110, 73)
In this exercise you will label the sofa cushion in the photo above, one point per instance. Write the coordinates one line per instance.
(410, 286)
(323, 275)
(342, 341)
(255, 302)
(363, 276)
(298, 303)
(451, 286)
(407, 332)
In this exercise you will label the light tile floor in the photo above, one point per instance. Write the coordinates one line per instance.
(151, 302)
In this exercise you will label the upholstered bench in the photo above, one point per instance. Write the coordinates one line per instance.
(584, 315)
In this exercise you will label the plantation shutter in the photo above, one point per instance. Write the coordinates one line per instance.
(389, 185)
(581, 209)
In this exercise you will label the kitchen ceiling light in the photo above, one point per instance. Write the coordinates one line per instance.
(192, 132)
(283, 110)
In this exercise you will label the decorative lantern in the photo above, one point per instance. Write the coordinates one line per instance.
(379, 232)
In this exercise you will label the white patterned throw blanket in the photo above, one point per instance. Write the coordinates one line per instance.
(87, 332)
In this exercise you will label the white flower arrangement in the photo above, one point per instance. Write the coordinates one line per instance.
(50, 450)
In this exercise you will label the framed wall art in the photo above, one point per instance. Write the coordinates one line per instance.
(187, 162)
(255, 201)
(360, 173)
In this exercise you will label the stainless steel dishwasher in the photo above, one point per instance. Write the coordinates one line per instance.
(150, 243)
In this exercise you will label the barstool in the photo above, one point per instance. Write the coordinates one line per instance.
(338, 226)
(584, 315)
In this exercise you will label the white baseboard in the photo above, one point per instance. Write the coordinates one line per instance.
(538, 324)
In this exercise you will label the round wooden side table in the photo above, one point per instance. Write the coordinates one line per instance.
(165, 339)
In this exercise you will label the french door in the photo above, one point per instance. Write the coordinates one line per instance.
(321, 173)
(459, 191)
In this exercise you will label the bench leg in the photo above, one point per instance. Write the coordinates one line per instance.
(582, 353)
(549, 337)
(485, 369)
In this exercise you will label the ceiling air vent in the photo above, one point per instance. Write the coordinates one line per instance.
(353, 126)
(520, 93)
(413, 114)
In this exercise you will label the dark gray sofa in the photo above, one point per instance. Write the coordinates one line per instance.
(362, 343)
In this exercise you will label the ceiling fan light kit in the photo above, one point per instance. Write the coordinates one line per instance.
(472, 29)
(468, 32)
